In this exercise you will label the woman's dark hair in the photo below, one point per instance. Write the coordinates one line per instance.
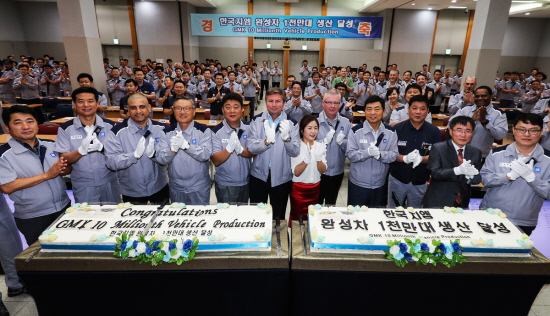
(305, 121)
(390, 91)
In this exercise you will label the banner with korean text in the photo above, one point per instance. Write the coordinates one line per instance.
(286, 26)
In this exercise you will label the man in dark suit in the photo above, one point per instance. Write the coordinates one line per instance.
(454, 166)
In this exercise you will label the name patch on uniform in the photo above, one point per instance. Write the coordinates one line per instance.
(402, 143)
(157, 139)
(76, 137)
(364, 141)
(505, 164)
(194, 141)
(102, 134)
(225, 140)
(537, 169)
(53, 155)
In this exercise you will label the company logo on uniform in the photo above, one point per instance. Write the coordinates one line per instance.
(385, 141)
(53, 155)
(194, 141)
(157, 139)
(102, 134)
(490, 118)
(537, 169)
(245, 136)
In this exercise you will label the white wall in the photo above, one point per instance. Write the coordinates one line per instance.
(543, 54)
(42, 29)
(411, 43)
(522, 44)
(113, 21)
(158, 30)
(12, 36)
(452, 26)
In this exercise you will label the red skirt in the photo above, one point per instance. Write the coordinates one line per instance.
(302, 196)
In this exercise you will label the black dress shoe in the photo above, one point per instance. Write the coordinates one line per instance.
(17, 292)
(3, 310)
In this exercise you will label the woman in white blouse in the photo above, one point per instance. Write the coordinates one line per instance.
(307, 168)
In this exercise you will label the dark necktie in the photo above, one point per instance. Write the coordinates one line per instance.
(460, 160)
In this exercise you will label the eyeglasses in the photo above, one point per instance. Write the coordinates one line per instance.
(522, 131)
(332, 103)
(463, 131)
(185, 109)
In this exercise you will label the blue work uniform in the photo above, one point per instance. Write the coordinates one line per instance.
(231, 176)
(137, 177)
(18, 161)
(92, 181)
(317, 101)
(297, 112)
(496, 129)
(188, 170)
(519, 199)
(116, 94)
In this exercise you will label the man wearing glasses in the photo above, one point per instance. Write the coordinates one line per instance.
(517, 175)
(491, 124)
(454, 166)
(186, 150)
(333, 131)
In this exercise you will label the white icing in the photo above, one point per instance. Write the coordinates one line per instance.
(378, 236)
(84, 225)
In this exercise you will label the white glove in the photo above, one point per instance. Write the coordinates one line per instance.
(524, 170)
(269, 132)
(177, 142)
(85, 145)
(140, 148)
(409, 158)
(307, 157)
(374, 151)
(237, 144)
(512, 174)
(466, 169)
(417, 160)
(320, 151)
(284, 129)
(231, 143)
(328, 137)
(96, 145)
(151, 148)
(340, 138)
(89, 130)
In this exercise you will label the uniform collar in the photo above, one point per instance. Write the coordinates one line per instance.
(368, 129)
(20, 147)
(226, 124)
(489, 108)
(512, 151)
(134, 128)
(78, 123)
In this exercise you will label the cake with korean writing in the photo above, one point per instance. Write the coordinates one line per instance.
(218, 227)
(367, 230)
